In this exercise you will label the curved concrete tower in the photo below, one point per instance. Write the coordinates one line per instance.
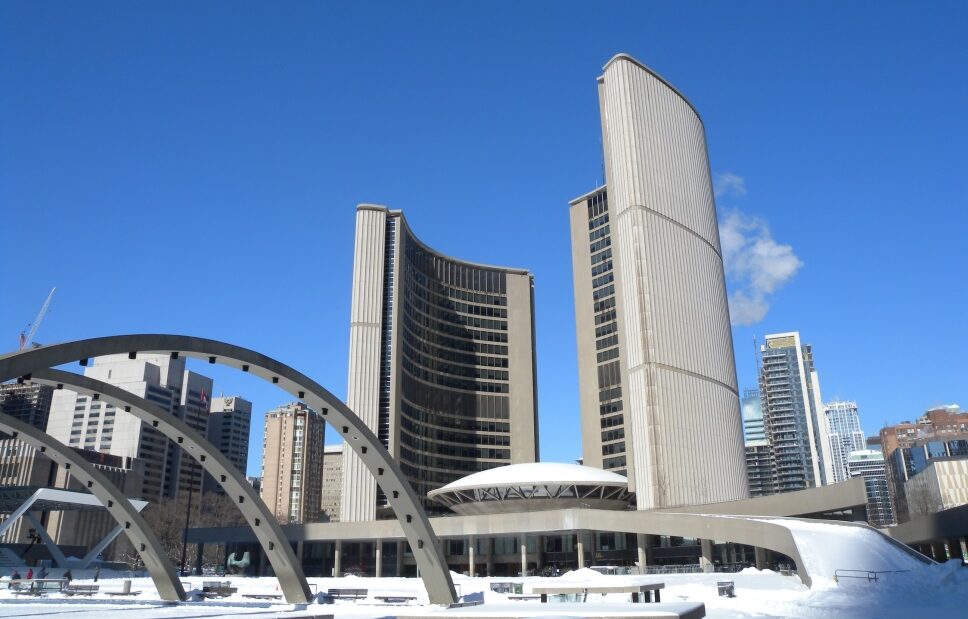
(659, 395)
(441, 362)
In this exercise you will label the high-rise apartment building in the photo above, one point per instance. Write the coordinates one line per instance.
(793, 415)
(935, 423)
(845, 435)
(26, 402)
(759, 455)
(229, 422)
(292, 463)
(88, 423)
(657, 379)
(441, 363)
(869, 464)
(332, 482)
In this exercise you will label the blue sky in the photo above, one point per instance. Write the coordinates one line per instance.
(194, 169)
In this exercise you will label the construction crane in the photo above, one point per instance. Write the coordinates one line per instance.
(27, 335)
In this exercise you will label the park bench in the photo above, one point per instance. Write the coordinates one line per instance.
(354, 594)
(395, 599)
(647, 592)
(37, 586)
(81, 589)
(262, 596)
(218, 588)
(523, 597)
(726, 588)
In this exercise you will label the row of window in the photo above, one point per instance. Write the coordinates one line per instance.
(445, 314)
(606, 329)
(452, 382)
(438, 456)
(437, 419)
(607, 355)
(601, 293)
(467, 345)
(607, 342)
(598, 234)
(595, 222)
(442, 290)
(613, 448)
(608, 278)
(610, 394)
(451, 369)
(597, 204)
(602, 267)
(459, 405)
(454, 273)
(432, 436)
(601, 244)
(451, 329)
(613, 420)
(444, 354)
(605, 255)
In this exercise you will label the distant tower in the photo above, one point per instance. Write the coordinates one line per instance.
(332, 481)
(869, 464)
(292, 463)
(793, 415)
(441, 363)
(657, 378)
(760, 470)
(229, 423)
(843, 426)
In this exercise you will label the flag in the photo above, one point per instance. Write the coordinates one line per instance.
(22, 340)
(202, 396)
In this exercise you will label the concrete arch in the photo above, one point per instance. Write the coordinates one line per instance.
(143, 539)
(416, 526)
(286, 566)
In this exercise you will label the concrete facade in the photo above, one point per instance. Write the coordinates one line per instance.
(441, 363)
(656, 367)
(329, 505)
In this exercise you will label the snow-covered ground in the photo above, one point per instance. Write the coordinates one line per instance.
(924, 591)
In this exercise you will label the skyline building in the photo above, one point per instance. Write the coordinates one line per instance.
(441, 362)
(292, 463)
(88, 423)
(332, 482)
(845, 435)
(914, 456)
(26, 402)
(229, 422)
(869, 464)
(760, 471)
(793, 418)
(655, 351)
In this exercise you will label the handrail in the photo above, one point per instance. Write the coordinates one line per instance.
(869, 575)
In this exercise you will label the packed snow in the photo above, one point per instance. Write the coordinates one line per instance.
(924, 590)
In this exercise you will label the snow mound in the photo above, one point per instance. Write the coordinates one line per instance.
(582, 574)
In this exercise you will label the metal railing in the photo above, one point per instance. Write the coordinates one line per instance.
(868, 575)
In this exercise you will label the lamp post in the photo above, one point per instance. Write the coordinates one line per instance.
(188, 515)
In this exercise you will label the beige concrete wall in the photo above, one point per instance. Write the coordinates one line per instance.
(681, 393)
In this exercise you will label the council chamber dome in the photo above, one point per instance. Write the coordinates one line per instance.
(534, 486)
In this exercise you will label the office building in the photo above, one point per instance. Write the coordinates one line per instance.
(941, 485)
(869, 464)
(845, 436)
(441, 363)
(935, 423)
(229, 422)
(332, 482)
(912, 457)
(88, 423)
(292, 463)
(27, 402)
(792, 413)
(657, 379)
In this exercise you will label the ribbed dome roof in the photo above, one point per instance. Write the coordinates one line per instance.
(553, 473)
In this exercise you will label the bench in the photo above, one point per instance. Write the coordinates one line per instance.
(218, 588)
(395, 599)
(81, 589)
(354, 594)
(262, 596)
(726, 588)
(521, 597)
(647, 592)
(37, 586)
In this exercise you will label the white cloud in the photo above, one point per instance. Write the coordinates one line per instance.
(756, 265)
(729, 184)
